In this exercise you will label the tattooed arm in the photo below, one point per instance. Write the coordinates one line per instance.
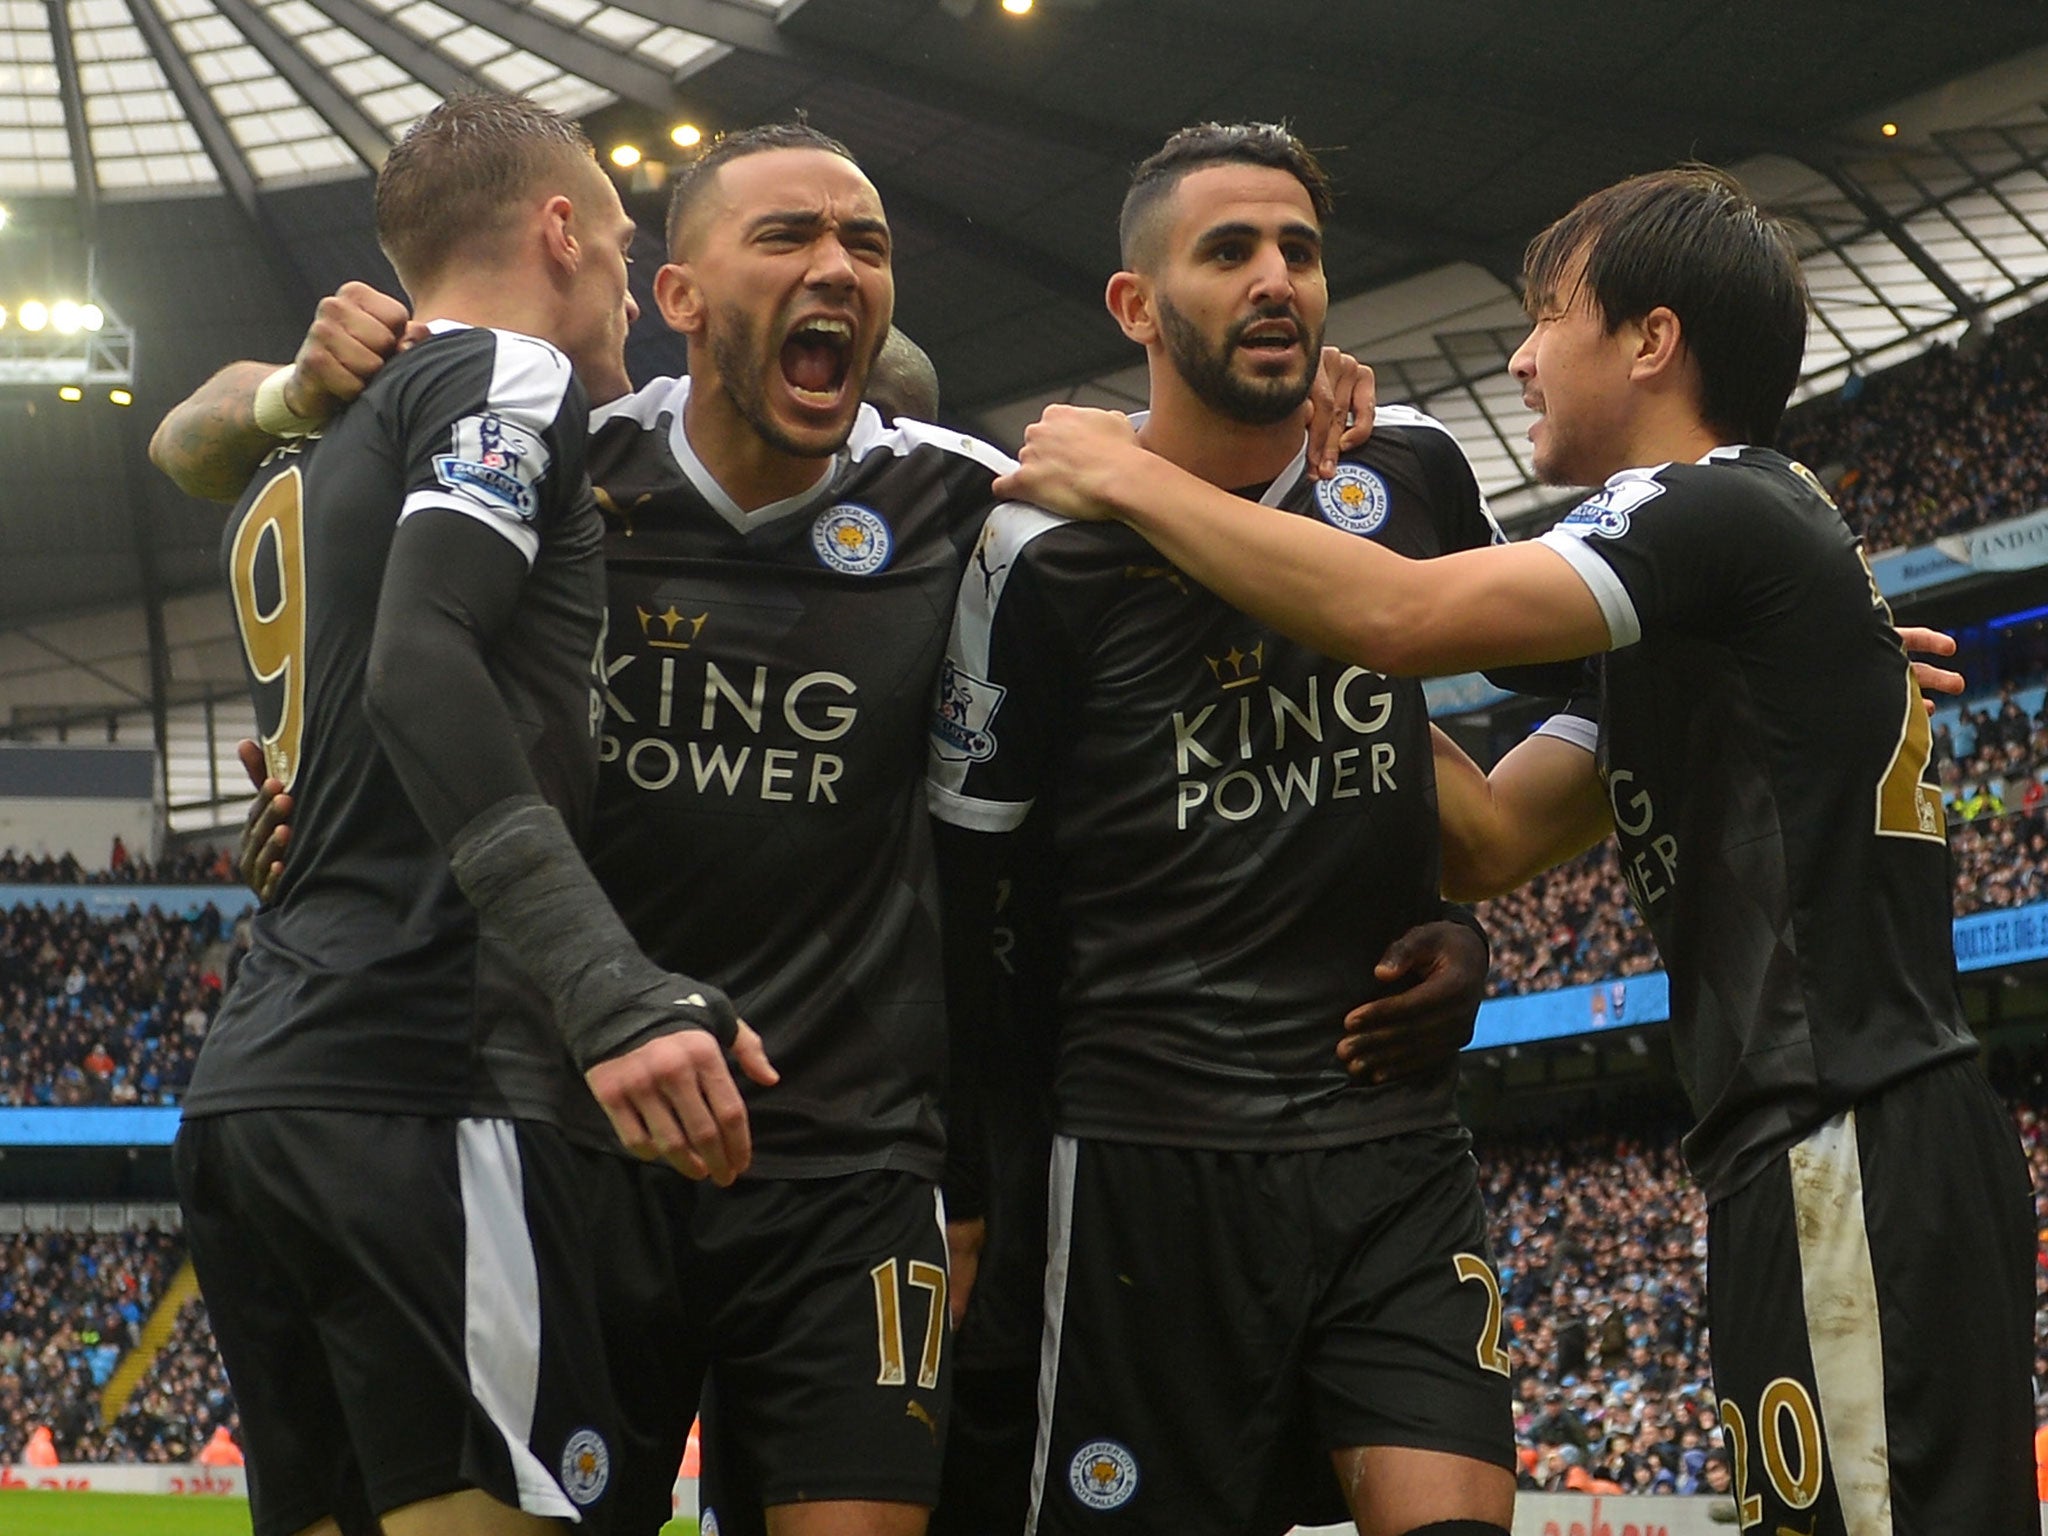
(210, 443)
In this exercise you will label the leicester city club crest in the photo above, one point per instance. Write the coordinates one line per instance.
(1103, 1475)
(1354, 499)
(586, 1467)
(852, 539)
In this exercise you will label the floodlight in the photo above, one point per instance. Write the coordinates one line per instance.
(626, 156)
(120, 397)
(1017, 7)
(686, 135)
(33, 315)
(64, 318)
(71, 392)
(91, 316)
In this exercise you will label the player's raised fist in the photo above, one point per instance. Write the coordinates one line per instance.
(355, 330)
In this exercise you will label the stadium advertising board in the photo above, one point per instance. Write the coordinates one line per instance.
(128, 1477)
(1984, 941)
(2017, 544)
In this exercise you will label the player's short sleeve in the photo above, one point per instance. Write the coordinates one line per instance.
(1678, 547)
(997, 706)
(1577, 723)
(496, 435)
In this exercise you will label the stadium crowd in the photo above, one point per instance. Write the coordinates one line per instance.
(1947, 442)
(70, 1306)
(1600, 1241)
(192, 867)
(181, 1399)
(1572, 925)
(106, 1010)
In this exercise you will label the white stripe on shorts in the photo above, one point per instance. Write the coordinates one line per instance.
(1059, 1242)
(1840, 1289)
(501, 1304)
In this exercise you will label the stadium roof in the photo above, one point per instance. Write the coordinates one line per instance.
(201, 168)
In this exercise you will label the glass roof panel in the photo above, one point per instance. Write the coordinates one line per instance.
(136, 129)
(281, 136)
(35, 154)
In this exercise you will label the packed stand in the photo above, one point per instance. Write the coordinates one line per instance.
(72, 1306)
(1572, 925)
(193, 867)
(1601, 1241)
(1993, 758)
(107, 1010)
(181, 1400)
(1948, 442)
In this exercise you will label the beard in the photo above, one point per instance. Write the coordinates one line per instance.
(1206, 369)
(735, 345)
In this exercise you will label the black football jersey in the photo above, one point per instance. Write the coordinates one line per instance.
(1239, 826)
(1767, 755)
(760, 817)
(368, 985)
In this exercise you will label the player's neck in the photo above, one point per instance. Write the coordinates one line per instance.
(751, 470)
(495, 304)
(1232, 454)
(1678, 437)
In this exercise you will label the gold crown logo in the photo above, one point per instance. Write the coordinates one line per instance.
(1237, 669)
(671, 622)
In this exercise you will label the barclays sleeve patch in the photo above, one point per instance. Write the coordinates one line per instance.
(495, 463)
(1606, 513)
(960, 724)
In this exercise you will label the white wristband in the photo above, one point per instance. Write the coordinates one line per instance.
(273, 416)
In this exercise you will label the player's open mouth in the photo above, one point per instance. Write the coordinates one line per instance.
(815, 359)
(1270, 336)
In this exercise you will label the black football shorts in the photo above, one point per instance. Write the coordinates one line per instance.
(1871, 1295)
(819, 1306)
(405, 1307)
(1219, 1323)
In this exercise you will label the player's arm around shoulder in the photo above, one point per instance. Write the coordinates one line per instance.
(1341, 595)
(211, 442)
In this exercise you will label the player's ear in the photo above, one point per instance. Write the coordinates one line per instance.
(680, 300)
(1659, 345)
(1129, 297)
(558, 234)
